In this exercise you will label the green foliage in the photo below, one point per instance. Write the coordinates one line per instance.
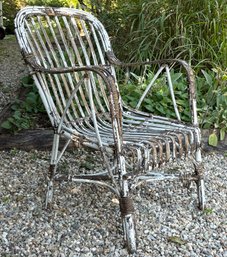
(190, 30)
(54, 3)
(24, 112)
(10, 9)
(158, 100)
(150, 29)
(211, 98)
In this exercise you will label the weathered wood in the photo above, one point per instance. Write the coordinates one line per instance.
(42, 139)
(39, 139)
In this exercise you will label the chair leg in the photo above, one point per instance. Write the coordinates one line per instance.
(127, 210)
(52, 171)
(50, 185)
(128, 222)
(199, 171)
(201, 193)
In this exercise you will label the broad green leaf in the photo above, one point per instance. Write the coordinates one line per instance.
(6, 125)
(222, 133)
(208, 78)
(175, 76)
(17, 114)
(224, 77)
(148, 101)
(24, 125)
(149, 108)
(213, 139)
(15, 107)
(87, 165)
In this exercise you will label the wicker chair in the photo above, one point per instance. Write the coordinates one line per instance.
(72, 63)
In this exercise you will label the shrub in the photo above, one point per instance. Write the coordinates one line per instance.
(211, 97)
(10, 8)
(192, 30)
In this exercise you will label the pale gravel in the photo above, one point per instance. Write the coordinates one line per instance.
(85, 220)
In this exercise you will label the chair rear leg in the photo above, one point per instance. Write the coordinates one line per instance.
(52, 170)
(199, 171)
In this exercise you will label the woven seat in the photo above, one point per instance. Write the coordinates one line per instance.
(71, 60)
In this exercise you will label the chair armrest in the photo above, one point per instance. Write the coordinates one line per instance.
(189, 72)
(105, 74)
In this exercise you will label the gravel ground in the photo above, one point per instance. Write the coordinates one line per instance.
(85, 220)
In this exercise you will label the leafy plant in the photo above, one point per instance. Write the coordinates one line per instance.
(24, 111)
(211, 98)
(158, 100)
(10, 9)
(212, 103)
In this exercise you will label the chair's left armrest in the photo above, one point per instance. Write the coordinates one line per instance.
(104, 72)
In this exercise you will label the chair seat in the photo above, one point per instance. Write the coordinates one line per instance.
(148, 142)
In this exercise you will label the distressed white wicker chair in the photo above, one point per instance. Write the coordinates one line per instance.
(72, 63)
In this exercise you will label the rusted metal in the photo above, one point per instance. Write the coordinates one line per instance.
(51, 171)
(199, 169)
(70, 57)
(126, 206)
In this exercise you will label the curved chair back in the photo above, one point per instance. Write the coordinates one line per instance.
(62, 38)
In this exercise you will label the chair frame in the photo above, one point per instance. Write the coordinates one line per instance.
(115, 176)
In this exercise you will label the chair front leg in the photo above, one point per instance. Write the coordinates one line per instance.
(199, 172)
(127, 210)
(128, 223)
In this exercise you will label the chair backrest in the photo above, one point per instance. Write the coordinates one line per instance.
(63, 38)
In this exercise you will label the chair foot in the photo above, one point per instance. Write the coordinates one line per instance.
(201, 193)
(129, 229)
(199, 171)
(128, 222)
(49, 194)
